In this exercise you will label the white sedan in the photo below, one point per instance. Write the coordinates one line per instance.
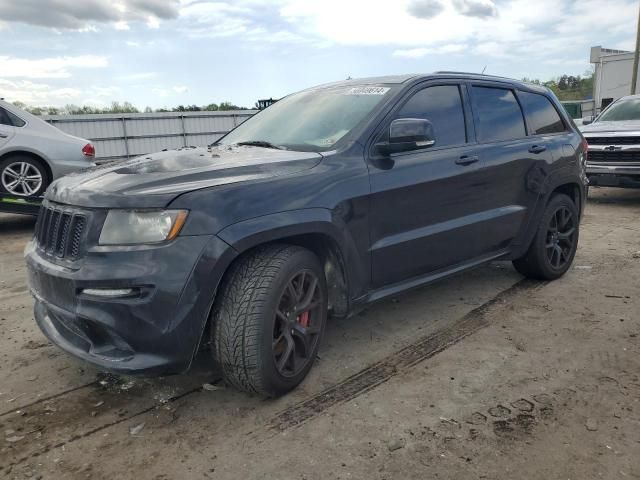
(34, 153)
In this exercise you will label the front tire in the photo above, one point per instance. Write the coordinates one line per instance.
(23, 176)
(555, 243)
(269, 318)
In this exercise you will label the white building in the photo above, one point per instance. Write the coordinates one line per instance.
(612, 77)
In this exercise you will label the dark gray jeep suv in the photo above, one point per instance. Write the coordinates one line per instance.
(330, 199)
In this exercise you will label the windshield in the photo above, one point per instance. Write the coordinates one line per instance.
(311, 120)
(628, 109)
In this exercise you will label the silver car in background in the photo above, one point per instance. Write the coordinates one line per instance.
(34, 153)
(614, 145)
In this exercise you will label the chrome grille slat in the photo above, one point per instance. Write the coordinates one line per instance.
(613, 140)
(616, 156)
(59, 232)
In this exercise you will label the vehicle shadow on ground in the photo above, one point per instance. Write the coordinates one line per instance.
(620, 196)
(13, 224)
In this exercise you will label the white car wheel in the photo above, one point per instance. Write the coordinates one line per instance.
(22, 177)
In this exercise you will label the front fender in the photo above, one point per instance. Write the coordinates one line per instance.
(311, 221)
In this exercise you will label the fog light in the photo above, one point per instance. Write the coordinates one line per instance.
(107, 292)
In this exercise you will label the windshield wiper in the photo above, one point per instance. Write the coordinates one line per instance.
(261, 143)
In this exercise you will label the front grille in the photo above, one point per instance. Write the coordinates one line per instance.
(614, 157)
(613, 140)
(59, 232)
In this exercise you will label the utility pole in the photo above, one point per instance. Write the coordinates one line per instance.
(636, 54)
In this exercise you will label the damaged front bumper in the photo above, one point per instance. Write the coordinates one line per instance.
(157, 304)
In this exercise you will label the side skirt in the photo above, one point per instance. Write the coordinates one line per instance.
(384, 292)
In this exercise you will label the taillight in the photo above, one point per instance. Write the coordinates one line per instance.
(88, 150)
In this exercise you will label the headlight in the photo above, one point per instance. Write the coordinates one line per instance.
(126, 227)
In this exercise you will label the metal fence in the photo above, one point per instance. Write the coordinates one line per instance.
(121, 136)
(578, 109)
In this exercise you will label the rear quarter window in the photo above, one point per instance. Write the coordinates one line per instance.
(4, 118)
(542, 116)
(498, 113)
(8, 118)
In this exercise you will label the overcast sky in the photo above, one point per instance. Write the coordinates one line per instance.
(169, 52)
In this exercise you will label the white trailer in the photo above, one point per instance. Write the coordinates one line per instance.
(612, 77)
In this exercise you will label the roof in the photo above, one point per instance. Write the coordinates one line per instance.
(400, 79)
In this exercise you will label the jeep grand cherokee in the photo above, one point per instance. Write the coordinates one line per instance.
(330, 199)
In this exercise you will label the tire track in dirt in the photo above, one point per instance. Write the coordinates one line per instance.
(380, 372)
(56, 422)
(48, 398)
(97, 429)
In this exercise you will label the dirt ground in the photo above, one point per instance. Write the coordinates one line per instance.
(480, 376)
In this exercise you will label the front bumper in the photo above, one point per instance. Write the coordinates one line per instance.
(154, 331)
(613, 175)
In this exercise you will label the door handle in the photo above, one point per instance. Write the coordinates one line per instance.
(537, 149)
(3, 135)
(465, 160)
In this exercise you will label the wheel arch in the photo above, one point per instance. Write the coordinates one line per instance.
(564, 181)
(32, 155)
(572, 190)
(309, 228)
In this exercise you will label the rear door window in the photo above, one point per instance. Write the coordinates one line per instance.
(542, 116)
(498, 113)
(442, 106)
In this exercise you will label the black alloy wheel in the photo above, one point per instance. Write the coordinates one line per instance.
(298, 324)
(555, 242)
(561, 237)
(268, 319)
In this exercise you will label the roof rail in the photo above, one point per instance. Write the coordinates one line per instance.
(457, 71)
(470, 73)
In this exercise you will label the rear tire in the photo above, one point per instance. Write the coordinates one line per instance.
(269, 318)
(555, 243)
(23, 176)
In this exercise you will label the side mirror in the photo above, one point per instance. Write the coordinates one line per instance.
(407, 134)
(587, 120)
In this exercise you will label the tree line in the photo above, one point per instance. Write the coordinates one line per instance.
(569, 87)
(124, 107)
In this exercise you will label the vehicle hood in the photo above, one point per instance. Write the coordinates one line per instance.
(602, 127)
(152, 181)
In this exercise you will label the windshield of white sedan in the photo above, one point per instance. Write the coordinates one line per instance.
(621, 111)
(310, 121)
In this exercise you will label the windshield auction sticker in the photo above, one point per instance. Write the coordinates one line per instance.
(367, 91)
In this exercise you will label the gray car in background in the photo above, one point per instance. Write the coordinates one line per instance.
(34, 153)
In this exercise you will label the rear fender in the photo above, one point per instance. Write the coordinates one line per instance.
(546, 187)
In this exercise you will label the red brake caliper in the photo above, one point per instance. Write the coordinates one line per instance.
(303, 319)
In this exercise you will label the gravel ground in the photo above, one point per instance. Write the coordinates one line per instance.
(480, 376)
